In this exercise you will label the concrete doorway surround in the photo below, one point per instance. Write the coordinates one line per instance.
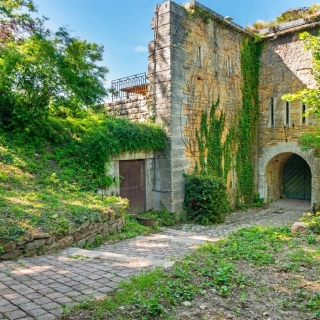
(271, 170)
(132, 184)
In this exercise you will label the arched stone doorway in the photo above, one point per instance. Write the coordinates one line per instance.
(270, 172)
(297, 178)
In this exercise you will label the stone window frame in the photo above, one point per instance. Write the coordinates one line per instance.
(287, 115)
(304, 115)
(272, 104)
(229, 67)
(200, 57)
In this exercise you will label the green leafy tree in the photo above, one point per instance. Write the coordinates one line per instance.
(44, 72)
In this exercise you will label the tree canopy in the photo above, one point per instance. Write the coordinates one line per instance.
(44, 72)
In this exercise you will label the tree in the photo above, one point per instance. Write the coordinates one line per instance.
(310, 96)
(44, 72)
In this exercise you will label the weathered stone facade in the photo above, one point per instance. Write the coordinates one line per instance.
(285, 68)
(193, 61)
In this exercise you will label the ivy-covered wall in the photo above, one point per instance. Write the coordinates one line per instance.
(221, 104)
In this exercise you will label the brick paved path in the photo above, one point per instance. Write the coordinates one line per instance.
(40, 287)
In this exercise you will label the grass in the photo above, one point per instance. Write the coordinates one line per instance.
(232, 269)
(36, 193)
(289, 15)
(48, 184)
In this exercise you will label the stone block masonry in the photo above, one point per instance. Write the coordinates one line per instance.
(285, 68)
(40, 243)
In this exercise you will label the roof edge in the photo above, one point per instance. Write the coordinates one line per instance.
(193, 3)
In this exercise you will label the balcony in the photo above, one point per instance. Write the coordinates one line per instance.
(129, 87)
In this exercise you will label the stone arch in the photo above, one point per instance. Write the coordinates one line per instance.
(271, 164)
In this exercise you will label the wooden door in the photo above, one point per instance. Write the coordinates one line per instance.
(297, 178)
(132, 184)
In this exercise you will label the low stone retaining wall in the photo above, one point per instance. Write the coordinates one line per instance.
(41, 242)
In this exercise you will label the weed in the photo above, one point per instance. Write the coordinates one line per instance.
(311, 239)
(78, 256)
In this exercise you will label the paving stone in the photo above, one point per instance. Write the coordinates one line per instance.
(3, 302)
(50, 306)
(29, 306)
(45, 291)
(20, 301)
(63, 300)
(54, 295)
(105, 289)
(46, 317)
(8, 307)
(34, 296)
(64, 289)
(18, 314)
(57, 312)
(43, 300)
(37, 312)
(12, 296)
(72, 294)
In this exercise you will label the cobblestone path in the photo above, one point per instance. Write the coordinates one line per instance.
(41, 287)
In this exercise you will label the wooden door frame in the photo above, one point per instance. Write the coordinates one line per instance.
(143, 162)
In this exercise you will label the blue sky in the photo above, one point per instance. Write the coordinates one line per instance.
(123, 26)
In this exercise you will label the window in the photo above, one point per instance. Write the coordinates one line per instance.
(200, 57)
(272, 112)
(303, 115)
(229, 67)
(287, 123)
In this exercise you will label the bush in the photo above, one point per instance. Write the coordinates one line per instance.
(313, 221)
(206, 199)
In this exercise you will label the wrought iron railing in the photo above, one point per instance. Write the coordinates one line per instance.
(128, 87)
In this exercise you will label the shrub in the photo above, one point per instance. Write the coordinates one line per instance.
(206, 199)
(313, 221)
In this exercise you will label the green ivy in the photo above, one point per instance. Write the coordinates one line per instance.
(248, 119)
(215, 156)
(113, 136)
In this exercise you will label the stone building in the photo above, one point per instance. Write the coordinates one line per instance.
(195, 59)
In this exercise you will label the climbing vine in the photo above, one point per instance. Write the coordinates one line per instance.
(215, 155)
(248, 119)
(212, 151)
(223, 144)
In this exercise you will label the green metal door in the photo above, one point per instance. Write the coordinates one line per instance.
(297, 178)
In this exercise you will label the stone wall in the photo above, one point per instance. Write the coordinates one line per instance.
(138, 108)
(41, 242)
(205, 67)
(285, 68)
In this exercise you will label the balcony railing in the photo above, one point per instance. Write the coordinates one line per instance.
(128, 87)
